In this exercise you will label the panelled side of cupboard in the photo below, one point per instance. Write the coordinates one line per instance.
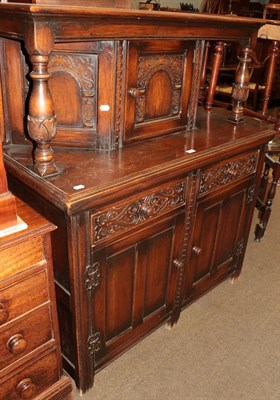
(152, 196)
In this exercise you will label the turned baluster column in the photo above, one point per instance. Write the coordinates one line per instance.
(204, 71)
(41, 119)
(270, 74)
(217, 59)
(240, 89)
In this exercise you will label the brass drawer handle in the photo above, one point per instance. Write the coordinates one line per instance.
(4, 314)
(16, 344)
(196, 250)
(135, 92)
(26, 388)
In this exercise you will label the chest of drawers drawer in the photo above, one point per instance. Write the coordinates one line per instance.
(32, 379)
(28, 334)
(18, 298)
(24, 254)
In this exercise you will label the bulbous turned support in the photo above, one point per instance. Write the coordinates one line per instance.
(270, 74)
(240, 88)
(41, 120)
(217, 59)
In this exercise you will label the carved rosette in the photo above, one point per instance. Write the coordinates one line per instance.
(251, 193)
(148, 65)
(121, 218)
(92, 276)
(229, 172)
(94, 344)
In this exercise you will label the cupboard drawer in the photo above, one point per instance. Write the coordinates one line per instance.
(227, 172)
(25, 336)
(31, 380)
(125, 216)
(21, 256)
(23, 296)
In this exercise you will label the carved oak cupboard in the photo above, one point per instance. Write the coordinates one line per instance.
(152, 196)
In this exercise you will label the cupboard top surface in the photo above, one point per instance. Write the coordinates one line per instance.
(76, 22)
(106, 173)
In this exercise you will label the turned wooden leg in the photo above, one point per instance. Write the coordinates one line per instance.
(270, 74)
(240, 89)
(217, 59)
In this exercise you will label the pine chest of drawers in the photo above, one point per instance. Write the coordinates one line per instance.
(30, 358)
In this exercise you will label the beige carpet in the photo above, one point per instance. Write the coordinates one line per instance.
(226, 346)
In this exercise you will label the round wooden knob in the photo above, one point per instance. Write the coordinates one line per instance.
(16, 344)
(196, 250)
(178, 264)
(136, 92)
(26, 388)
(147, 211)
(4, 314)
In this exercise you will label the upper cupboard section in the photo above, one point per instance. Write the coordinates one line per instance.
(106, 94)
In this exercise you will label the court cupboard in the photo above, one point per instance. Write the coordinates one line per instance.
(152, 195)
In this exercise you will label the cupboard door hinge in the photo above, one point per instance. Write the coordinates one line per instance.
(92, 276)
(94, 344)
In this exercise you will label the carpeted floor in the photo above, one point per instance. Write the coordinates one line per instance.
(226, 346)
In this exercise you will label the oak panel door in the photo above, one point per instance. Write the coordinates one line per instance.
(158, 88)
(218, 237)
(137, 286)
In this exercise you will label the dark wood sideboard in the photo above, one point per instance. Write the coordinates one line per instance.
(153, 197)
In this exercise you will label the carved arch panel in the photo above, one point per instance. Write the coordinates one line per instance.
(158, 88)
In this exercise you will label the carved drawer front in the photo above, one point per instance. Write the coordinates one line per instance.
(227, 172)
(125, 216)
(21, 297)
(24, 254)
(31, 380)
(158, 88)
(19, 339)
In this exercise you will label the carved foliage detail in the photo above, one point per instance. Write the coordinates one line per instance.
(92, 276)
(42, 130)
(94, 344)
(122, 217)
(229, 172)
(148, 65)
(83, 68)
(251, 193)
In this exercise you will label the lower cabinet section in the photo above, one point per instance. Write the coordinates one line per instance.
(136, 285)
(131, 253)
(219, 237)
